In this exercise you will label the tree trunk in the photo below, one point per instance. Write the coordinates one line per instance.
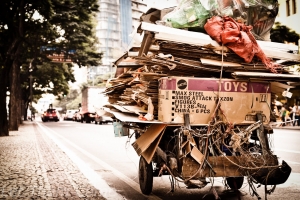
(14, 96)
(25, 114)
(15, 108)
(3, 111)
(20, 104)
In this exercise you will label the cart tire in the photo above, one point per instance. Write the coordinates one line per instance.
(145, 176)
(235, 183)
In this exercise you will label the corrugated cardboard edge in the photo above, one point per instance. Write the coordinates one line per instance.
(146, 144)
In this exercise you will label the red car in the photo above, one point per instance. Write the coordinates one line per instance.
(50, 115)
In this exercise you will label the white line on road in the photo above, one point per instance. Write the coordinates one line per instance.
(286, 150)
(95, 179)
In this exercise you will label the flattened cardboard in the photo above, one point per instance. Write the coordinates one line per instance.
(149, 140)
(187, 148)
(197, 155)
(149, 152)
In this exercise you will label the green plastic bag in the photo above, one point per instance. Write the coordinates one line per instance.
(190, 13)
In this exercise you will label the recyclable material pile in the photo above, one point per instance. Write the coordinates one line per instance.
(229, 46)
(205, 42)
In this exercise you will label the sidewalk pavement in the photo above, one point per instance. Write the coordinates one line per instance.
(33, 167)
(289, 127)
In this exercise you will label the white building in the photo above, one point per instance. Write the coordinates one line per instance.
(289, 14)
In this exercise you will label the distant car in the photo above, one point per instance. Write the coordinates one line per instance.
(50, 115)
(87, 117)
(69, 114)
(102, 117)
(76, 117)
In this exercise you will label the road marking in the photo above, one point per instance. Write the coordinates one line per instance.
(91, 174)
(96, 180)
(286, 150)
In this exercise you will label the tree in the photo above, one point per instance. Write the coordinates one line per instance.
(46, 78)
(280, 33)
(28, 25)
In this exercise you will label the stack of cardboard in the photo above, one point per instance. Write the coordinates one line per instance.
(167, 52)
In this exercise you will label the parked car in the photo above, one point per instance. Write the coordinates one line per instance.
(88, 117)
(69, 114)
(103, 117)
(76, 117)
(50, 115)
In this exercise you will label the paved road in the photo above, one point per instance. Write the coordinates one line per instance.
(287, 147)
(103, 156)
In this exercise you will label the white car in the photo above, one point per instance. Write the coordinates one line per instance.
(69, 114)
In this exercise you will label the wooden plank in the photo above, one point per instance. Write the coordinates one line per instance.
(229, 166)
(266, 76)
(221, 166)
(146, 43)
(219, 63)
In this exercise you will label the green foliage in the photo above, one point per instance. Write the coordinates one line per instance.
(282, 34)
(28, 25)
(98, 80)
(73, 105)
(70, 101)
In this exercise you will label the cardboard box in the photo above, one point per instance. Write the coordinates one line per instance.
(198, 97)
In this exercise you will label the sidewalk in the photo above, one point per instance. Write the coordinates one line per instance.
(290, 127)
(33, 167)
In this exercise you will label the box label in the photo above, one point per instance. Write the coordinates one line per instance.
(198, 97)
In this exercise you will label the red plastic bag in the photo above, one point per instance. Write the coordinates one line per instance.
(238, 38)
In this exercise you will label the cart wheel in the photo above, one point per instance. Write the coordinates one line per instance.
(145, 176)
(235, 183)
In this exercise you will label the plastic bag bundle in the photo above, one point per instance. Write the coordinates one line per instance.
(190, 13)
(262, 18)
(260, 14)
(237, 37)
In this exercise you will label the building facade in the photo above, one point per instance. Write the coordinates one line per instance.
(289, 14)
(116, 22)
(108, 33)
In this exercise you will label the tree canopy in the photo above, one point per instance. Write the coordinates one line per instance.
(32, 30)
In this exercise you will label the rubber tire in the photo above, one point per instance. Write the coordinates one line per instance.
(235, 183)
(145, 176)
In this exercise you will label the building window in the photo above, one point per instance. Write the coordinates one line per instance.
(288, 12)
(294, 7)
